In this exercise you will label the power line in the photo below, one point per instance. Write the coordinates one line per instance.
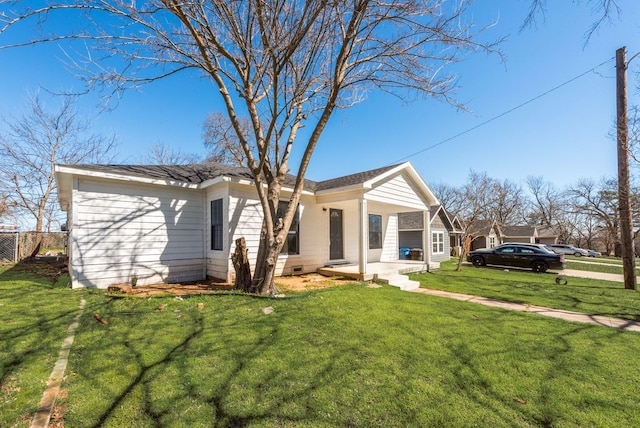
(519, 106)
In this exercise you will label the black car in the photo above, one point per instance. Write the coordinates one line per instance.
(534, 257)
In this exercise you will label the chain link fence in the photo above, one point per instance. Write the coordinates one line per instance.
(18, 246)
(51, 244)
(9, 247)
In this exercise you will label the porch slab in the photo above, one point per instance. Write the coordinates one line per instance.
(392, 273)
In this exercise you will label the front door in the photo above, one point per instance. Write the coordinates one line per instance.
(336, 251)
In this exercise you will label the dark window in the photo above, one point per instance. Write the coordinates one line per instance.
(216, 224)
(375, 231)
(292, 243)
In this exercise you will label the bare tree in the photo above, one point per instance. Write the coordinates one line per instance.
(598, 202)
(281, 64)
(222, 141)
(162, 154)
(604, 11)
(509, 203)
(472, 203)
(31, 145)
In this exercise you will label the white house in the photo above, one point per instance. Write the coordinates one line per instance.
(179, 223)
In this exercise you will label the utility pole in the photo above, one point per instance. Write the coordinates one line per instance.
(626, 232)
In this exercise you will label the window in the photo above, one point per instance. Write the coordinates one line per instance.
(292, 243)
(492, 241)
(375, 231)
(437, 242)
(216, 224)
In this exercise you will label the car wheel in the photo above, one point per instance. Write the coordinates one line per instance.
(540, 267)
(577, 254)
(478, 261)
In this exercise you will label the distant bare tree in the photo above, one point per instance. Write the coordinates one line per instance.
(472, 203)
(4, 205)
(32, 144)
(162, 154)
(597, 202)
(283, 65)
(509, 203)
(222, 141)
(446, 194)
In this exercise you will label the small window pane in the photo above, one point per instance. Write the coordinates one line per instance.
(216, 224)
(375, 231)
(292, 243)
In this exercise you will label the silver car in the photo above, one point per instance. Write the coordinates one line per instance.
(568, 249)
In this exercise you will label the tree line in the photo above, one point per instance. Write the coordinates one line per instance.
(584, 214)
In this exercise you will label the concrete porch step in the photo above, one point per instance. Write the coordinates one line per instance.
(397, 280)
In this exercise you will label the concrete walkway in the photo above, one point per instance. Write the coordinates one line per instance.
(539, 310)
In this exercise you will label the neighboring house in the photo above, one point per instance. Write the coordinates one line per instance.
(523, 234)
(456, 236)
(180, 223)
(546, 235)
(444, 233)
(484, 234)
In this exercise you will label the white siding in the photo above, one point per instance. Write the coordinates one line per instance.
(121, 228)
(399, 191)
(390, 239)
(245, 220)
(218, 261)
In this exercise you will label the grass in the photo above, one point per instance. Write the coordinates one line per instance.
(344, 356)
(35, 311)
(579, 295)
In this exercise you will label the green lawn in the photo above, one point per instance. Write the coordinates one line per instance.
(346, 356)
(597, 265)
(35, 312)
(523, 286)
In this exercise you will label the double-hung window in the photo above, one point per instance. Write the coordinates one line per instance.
(216, 224)
(375, 231)
(292, 242)
(437, 242)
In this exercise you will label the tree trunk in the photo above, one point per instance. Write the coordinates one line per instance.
(240, 259)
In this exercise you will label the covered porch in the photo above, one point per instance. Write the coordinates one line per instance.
(394, 273)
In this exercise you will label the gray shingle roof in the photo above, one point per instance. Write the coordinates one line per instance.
(193, 173)
(353, 179)
(518, 230)
(198, 173)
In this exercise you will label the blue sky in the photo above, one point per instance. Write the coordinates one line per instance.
(562, 136)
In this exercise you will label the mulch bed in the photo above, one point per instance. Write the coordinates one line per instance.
(211, 286)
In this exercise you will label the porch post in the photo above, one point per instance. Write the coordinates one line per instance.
(427, 238)
(363, 244)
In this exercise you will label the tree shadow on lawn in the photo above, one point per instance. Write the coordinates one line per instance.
(35, 312)
(223, 367)
(226, 363)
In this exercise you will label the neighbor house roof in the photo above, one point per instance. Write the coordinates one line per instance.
(518, 231)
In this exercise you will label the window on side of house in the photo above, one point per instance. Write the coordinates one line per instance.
(437, 242)
(217, 215)
(292, 243)
(375, 231)
(492, 241)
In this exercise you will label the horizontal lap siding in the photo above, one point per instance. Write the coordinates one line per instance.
(390, 241)
(437, 225)
(398, 191)
(122, 229)
(245, 220)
